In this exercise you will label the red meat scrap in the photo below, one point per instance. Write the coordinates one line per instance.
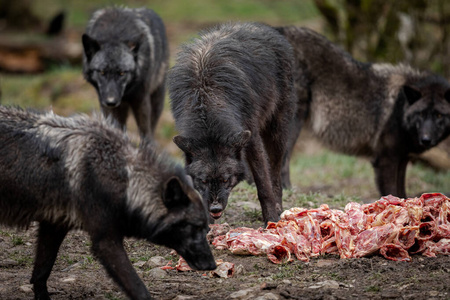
(392, 227)
(224, 269)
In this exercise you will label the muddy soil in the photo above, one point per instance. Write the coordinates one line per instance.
(77, 275)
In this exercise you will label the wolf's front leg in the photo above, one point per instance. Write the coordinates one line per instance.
(157, 105)
(390, 173)
(50, 238)
(258, 161)
(114, 258)
(142, 111)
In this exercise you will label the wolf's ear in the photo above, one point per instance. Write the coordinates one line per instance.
(134, 46)
(174, 195)
(447, 95)
(183, 143)
(412, 94)
(239, 140)
(90, 46)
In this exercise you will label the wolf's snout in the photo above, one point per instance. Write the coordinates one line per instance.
(207, 264)
(216, 210)
(426, 136)
(425, 140)
(112, 102)
(199, 256)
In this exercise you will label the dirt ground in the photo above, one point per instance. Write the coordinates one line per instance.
(77, 275)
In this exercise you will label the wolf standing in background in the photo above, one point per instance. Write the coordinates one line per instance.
(381, 111)
(232, 96)
(79, 173)
(126, 60)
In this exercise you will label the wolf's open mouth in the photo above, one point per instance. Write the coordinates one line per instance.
(216, 215)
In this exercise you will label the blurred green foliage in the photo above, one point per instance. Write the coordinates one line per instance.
(415, 32)
(196, 11)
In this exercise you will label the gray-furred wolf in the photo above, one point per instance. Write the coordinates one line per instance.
(381, 111)
(231, 96)
(81, 173)
(126, 59)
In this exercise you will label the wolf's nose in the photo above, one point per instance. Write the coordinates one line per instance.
(425, 140)
(215, 208)
(112, 102)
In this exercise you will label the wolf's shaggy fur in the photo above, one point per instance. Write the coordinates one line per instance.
(82, 173)
(232, 96)
(126, 58)
(381, 111)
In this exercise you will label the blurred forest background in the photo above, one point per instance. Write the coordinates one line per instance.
(40, 61)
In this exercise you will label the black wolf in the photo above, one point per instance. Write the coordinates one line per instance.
(126, 60)
(381, 111)
(232, 96)
(80, 173)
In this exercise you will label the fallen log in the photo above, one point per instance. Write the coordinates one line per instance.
(33, 54)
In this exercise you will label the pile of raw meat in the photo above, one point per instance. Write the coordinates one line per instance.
(391, 226)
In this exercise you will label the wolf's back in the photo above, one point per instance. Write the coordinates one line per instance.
(233, 74)
(47, 162)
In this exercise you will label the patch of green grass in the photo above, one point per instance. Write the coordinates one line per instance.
(353, 177)
(323, 167)
(258, 266)
(21, 258)
(376, 276)
(421, 178)
(62, 89)
(314, 200)
(243, 192)
(17, 240)
(87, 260)
(255, 215)
(112, 296)
(413, 279)
(173, 258)
(25, 260)
(373, 289)
(140, 258)
(67, 259)
(340, 200)
(336, 276)
(308, 200)
(288, 270)
(23, 90)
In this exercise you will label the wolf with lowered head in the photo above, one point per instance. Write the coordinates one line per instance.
(382, 111)
(231, 94)
(81, 173)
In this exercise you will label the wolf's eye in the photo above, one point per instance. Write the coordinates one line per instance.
(438, 116)
(204, 181)
(224, 180)
(102, 72)
(121, 73)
